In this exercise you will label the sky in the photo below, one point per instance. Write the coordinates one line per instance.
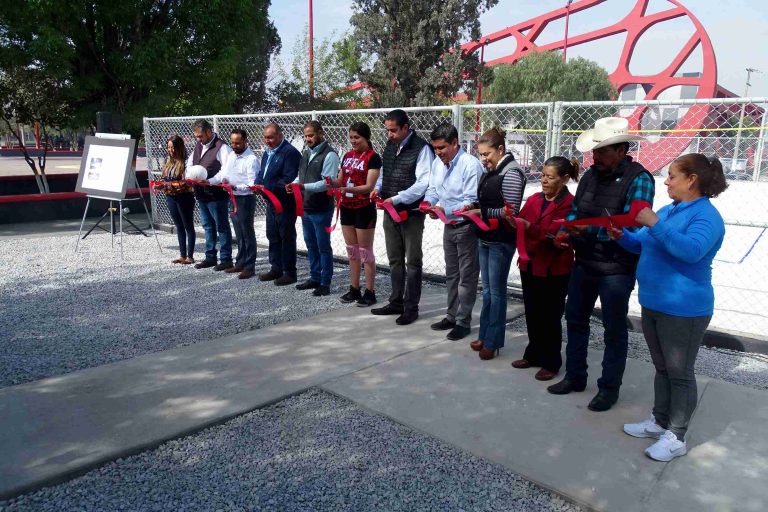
(739, 33)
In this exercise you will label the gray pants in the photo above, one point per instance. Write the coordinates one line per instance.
(461, 271)
(674, 342)
(403, 242)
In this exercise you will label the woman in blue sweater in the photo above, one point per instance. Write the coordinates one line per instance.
(674, 277)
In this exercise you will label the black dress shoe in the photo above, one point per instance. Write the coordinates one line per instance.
(308, 285)
(270, 276)
(322, 291)
(458, 333)
(406, 318)
(205, 264)
(389, 309)
(285, 280)
(442, 325)
(565, 386)
(224, 265)
(604, 400)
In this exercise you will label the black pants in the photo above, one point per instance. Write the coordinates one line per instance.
(403, 240)
(544, 299)
(182, 210)
(281, 233)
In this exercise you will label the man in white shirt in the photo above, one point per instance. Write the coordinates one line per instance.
(407, 159)
(453, 186)
(213, 202)
(239, 171)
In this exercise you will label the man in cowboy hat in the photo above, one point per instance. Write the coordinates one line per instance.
(613, 185)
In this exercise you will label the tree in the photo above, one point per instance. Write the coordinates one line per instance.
(543, 76)
(144, 57)
(337, 65)
(415, 48)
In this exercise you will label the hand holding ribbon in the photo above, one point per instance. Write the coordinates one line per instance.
(435, 212)
(387, 205)
(295, 190)
(260, 189)
(476, 217)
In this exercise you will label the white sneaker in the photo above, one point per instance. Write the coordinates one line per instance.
(646, 428)
(667, 447)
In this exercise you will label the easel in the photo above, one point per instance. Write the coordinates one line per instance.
(120, 210)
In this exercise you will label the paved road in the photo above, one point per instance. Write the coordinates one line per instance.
(16, 166)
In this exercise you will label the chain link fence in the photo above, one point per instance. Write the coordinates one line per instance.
(733, 129)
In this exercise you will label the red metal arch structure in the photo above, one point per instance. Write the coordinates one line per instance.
(634, 25)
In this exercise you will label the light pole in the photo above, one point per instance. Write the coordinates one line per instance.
(480, 90)
(311, 56)
(567, 16)
(741, 119)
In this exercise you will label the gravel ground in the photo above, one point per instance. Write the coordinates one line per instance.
(63, 312)
(744, 368)
(314, 452)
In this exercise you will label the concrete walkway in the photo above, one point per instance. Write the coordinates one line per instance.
(55, 428)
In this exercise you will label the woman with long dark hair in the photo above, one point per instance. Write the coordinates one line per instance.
(357, 178)
(179, 198)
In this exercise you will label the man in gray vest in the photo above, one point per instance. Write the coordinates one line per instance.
(407, 160)
(318, 161)
(213, 202)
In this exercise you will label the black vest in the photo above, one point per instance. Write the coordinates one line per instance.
(489, 195)
(400, 170)
(310, 172)
(213, 166)
(597, 192)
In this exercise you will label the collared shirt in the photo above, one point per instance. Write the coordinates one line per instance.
(239, 171)
(330, 168)
(270, 153)
(423, 168)
(221, 156)
(454, 186)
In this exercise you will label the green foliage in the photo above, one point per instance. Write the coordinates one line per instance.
(414, 47)
(143, 57)
(337, 65)
(543, 76)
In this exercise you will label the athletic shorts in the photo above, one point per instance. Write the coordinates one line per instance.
(361, 218)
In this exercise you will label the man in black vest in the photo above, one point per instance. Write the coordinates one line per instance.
(213, 202)
(319, 161)
(407, 160)
(613, 185)
(279, 167)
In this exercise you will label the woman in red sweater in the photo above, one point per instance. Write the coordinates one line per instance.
(545, 276)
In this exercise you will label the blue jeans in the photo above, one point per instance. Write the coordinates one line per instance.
(318, 242)
(583, 290)
(495, 259)
(214, 216)
(246, 235)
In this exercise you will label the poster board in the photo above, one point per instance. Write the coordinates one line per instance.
(105, 167)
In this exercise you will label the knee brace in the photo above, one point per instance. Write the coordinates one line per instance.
(353, 252)
(367, 255)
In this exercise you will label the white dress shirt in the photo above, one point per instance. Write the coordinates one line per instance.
(239, 171)
(221, 156)
(423, 166)
(454, 186)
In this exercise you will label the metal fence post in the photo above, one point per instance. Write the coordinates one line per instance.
(314, 115)
(457, 120)
(557, 128)
(758, 162)
(215, 124)
(548, 141)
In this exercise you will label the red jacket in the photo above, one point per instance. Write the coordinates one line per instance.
(546, 259)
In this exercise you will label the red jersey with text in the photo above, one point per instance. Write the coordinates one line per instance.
(355, 167)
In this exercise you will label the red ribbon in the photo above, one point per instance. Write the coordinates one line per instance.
(522, 252)
(438, 212)
(272, 197)
(625, 220)
(335, 193)
(299, 198)
(492, 223)
(226, 186)
(397, 217)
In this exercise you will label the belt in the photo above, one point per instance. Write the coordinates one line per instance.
(459, 224)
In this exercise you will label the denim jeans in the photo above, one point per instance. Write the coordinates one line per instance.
(584, 288)
(318, 242)
(182, 210)
(495, 260)
(673, 342)
(281, 233)
(214, 215)
(245, 232)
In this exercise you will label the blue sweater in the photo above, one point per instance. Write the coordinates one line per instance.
(675, 269)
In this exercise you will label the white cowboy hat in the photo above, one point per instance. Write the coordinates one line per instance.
(607, 131)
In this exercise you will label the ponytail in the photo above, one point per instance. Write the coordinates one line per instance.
(564, 167)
